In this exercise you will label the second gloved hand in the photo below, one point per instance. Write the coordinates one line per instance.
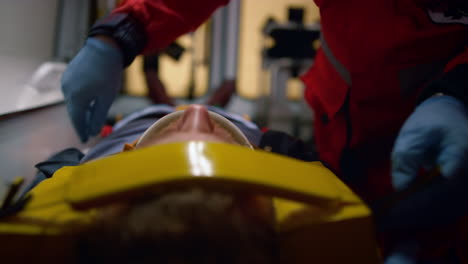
(435, 135)
(90, 85)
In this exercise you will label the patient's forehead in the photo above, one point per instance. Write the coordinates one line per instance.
(224, 131)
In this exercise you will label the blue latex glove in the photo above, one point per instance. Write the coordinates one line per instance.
(435, 134)
(90, 85)
(405, 253)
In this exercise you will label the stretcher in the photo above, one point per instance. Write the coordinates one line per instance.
(318, 218)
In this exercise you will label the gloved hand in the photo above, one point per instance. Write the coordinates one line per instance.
(435, 134)
(404, 253)
(90, 84)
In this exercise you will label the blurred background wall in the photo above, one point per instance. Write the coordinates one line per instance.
(27, 28)
(27, 31)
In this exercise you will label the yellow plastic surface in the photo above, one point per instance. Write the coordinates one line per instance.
(222, 165)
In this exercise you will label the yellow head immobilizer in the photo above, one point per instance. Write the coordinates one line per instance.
(319, 219)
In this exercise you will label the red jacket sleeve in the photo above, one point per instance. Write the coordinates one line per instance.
(462, 58)
(453, 81)
(165, 20)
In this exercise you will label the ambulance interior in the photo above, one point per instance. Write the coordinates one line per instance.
(235, 44)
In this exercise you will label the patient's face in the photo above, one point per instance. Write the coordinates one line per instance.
(194, 124)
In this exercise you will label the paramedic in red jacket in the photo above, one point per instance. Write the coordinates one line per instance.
(387, 86)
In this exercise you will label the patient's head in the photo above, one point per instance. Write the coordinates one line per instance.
(195, 123)
(183, 226)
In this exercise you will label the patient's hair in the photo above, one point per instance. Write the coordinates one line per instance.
(191, 226)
